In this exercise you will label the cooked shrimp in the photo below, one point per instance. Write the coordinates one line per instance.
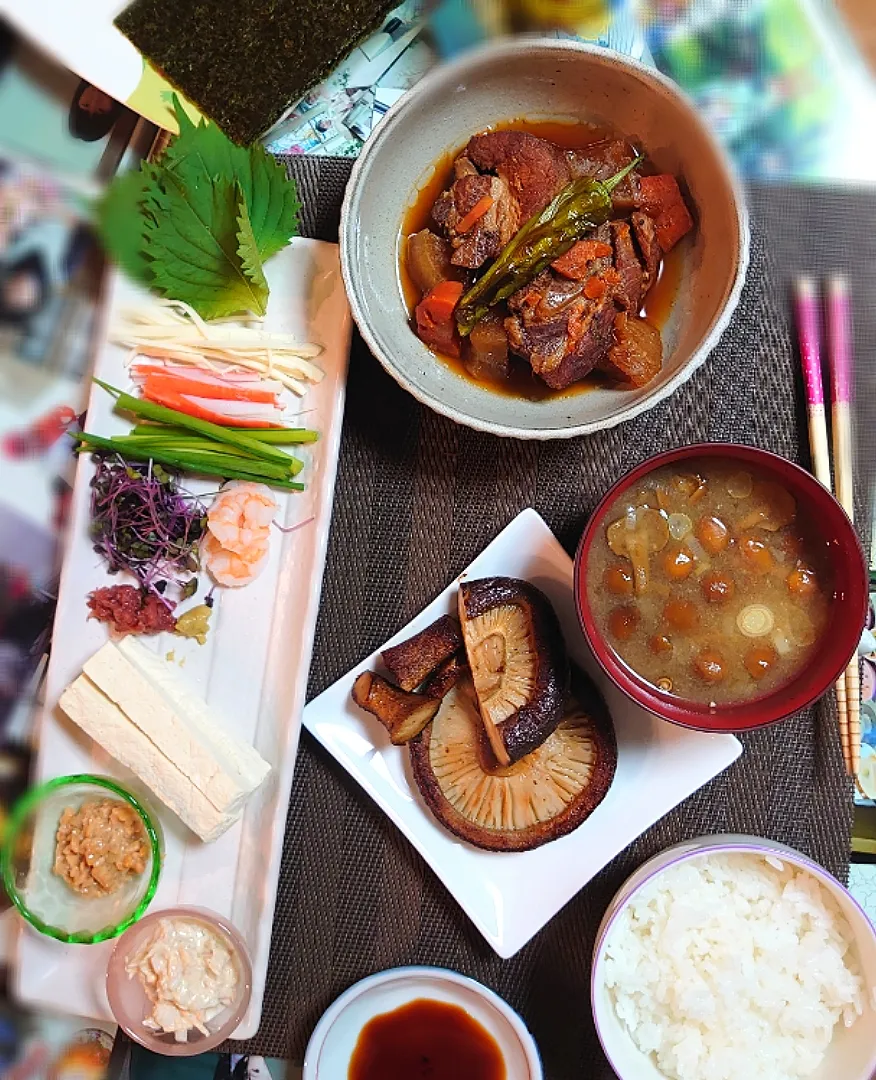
(241, 514)
(235, 568)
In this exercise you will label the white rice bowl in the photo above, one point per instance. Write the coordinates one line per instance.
(733, 967)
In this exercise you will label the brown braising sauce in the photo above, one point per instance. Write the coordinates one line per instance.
(426, 1040)
(661, 296)
(522, 383)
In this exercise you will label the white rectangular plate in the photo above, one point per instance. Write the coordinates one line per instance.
(252, 671)
(658, 765)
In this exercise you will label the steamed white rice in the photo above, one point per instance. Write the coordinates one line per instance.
(733, 967)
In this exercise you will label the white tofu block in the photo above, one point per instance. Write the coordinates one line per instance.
(243, 759)
(104, 721)
(226, 770)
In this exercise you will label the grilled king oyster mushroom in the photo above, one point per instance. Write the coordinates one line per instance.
(404, 715)
(446, 675)
(518, 662)
(543, 796)
(412, 661)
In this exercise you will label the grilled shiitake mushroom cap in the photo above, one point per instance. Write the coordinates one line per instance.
(543, 796)
(518, 662)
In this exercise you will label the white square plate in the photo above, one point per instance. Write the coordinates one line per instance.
(659, 765)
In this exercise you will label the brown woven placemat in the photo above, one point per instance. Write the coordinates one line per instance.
(417, 498)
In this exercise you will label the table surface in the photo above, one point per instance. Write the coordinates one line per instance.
(817, 231)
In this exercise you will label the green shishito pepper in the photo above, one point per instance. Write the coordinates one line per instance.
(580, 206)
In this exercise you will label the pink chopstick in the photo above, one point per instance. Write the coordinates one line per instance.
(808, 330)
(839, 341)
(839, 319)
(839, 332)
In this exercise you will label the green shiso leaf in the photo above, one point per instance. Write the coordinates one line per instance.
(121, 225)
(199, 223)
(192, 237)
(248, 248)
(271, 197)
(272, 202)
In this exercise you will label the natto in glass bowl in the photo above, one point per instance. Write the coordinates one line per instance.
(43, 897)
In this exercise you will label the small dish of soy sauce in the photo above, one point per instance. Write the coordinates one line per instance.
(421, 1022)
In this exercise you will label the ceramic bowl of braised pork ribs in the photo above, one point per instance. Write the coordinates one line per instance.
(543, 239)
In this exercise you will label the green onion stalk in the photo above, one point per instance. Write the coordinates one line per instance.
(277, 436)
(225, 466)
(188, 444)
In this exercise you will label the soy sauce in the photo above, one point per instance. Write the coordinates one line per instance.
(426, 1040)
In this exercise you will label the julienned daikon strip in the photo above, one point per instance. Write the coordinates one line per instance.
(205, 358)
(241, 337)
(148, 410)
(169, 330)
(277, 436)
(173, 313)
(214, 464)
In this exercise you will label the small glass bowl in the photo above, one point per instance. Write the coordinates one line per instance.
(130, 1005)
(28, 857)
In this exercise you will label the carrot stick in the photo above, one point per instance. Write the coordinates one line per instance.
(205, 387)
(481, 207)
(156, 382)
(185, 403)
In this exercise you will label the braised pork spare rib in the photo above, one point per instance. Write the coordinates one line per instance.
(579, 314)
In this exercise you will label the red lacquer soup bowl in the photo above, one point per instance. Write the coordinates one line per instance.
(830, 532)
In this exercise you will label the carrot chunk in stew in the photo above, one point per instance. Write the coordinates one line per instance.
(575, 264)
(435, 323)
(661, 198)
(481, 207)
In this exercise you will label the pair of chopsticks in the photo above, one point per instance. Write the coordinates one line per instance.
(839, 351)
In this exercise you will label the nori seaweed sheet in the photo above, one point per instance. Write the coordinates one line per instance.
(244, 62)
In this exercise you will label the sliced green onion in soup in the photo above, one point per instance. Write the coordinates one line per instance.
(679, 526)
(755, 620)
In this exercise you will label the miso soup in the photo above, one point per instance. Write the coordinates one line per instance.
(707, 582)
